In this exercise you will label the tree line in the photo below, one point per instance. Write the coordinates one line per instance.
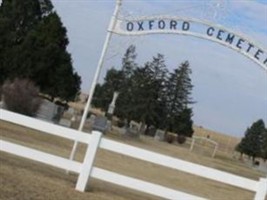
(33, 46)
(150, 94)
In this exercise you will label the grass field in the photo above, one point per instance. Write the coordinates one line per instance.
(226, 143)
(22, 179)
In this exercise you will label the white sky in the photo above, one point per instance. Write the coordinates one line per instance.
(230, 89)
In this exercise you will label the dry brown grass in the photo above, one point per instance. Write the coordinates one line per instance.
(226, 143)
(22, 179)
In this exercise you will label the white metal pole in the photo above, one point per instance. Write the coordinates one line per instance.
(98, 69)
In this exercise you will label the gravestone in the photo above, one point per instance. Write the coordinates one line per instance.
(132, 131)
(50, 112)
(262, 166)
(70, 117)
(70, 111)
(100, 124)
(159, 135)
(122, 130)
(142, 128)
(1, 104)
(91, 119)
(151, 131)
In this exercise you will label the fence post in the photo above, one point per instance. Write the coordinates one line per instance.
(192, 144)
(88, 162)
(215, 150)
(262, 189)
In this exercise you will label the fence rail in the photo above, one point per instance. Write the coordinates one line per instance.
(95, 141)
(39, 156)
(180, 165)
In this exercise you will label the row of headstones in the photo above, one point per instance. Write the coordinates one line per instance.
(258, 164)
(51, 112)
(101, 123)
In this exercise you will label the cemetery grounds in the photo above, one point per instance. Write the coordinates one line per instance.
(22, 179)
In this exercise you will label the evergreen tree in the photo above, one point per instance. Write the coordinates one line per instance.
(125, 98)
(179, 89)
(129, 101)
(264, 146)
(146, 92)
(184, 123)
(159, 72)
(148, 95)
(34, 47)
(98, 98)
(120, 81)
(253, 141)
(17, 18)
(144, 96)
(128, 62)
(104, 93)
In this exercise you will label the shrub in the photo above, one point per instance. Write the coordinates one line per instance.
(21, 96)
(181, 139)
(170, 138)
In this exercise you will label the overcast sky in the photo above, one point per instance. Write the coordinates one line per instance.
(230, 90)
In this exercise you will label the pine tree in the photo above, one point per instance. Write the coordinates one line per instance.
(264, 146)
(34, 47)
(252, 143)
(184, 123)
(119, 81)
(128, 61)
(148, 95)
(179, 89)
(125, 98)
(159, 72)
(103, 93)
(147, 92)
(15, 23)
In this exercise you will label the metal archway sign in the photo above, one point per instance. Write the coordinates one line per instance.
(193, 27)
(172, 25)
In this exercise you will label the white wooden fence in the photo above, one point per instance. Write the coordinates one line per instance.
(95, 141)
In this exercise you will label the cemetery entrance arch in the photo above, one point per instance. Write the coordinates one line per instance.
(193, 27)
(174, 25)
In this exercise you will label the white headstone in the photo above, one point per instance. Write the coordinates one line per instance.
(159, 135)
